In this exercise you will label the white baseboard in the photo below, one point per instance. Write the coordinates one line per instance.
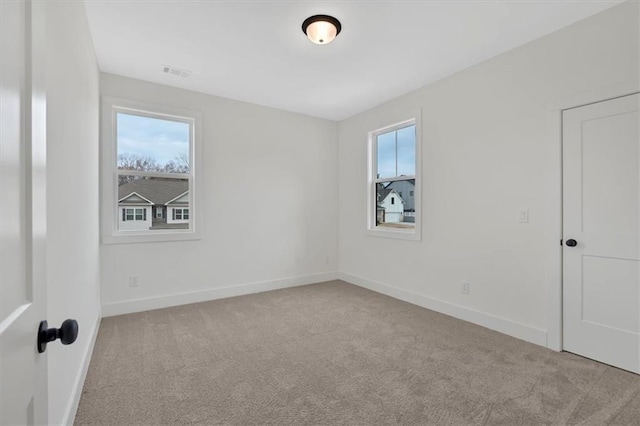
(159, 302)
(74, 401)
(502, 325)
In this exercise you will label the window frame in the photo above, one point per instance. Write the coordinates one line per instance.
(414, 234)
(110, 234)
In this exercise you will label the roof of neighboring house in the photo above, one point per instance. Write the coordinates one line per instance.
(158, 191)
(180, 200)
(383, 192)
(411, 181)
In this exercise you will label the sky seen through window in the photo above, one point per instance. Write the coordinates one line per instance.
(162, 140)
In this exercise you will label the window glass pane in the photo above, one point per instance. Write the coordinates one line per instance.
(138, 194)
(152, 144)
(391, 210)
(407, 151)
(386, 161)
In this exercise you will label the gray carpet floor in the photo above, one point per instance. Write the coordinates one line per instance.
(337, 354)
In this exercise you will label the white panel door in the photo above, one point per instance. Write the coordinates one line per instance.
(23, 371)
(601, 214)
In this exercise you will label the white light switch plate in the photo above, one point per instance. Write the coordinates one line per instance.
(523, 215)
(134, 281)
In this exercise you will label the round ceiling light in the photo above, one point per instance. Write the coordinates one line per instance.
(321, 29)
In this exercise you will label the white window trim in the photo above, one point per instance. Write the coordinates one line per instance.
(109, 187)
(371, 229)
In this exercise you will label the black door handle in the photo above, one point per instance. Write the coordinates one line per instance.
(572, 243)
(67, 333)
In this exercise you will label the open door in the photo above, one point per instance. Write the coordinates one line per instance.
(23, 388)
(601, 253)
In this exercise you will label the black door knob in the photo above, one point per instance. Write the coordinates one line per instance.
(572, 243)
(67, 333)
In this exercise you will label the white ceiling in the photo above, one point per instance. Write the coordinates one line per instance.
(255, 51)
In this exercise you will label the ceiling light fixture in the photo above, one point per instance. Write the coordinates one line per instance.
(321, 29)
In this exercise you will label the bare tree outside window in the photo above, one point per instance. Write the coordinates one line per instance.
(128, 161)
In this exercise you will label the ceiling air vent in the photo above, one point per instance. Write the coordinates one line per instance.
(178, 72)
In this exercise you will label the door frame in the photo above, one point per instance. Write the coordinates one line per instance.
(554, 185)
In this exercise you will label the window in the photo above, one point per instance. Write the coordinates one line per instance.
(393, 171)
(149, 157)
(180, 214)
(133, 214)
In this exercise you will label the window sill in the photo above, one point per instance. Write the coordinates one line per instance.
(413, 235)
(133, 237)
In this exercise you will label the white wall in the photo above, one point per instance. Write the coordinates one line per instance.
(269, 194)
(72, 172)
(487, 152)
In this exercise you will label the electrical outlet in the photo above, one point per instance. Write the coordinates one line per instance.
(134, 281)
(464, 287)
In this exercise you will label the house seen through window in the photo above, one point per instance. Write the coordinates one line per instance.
(394, 177)
(153, 172)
